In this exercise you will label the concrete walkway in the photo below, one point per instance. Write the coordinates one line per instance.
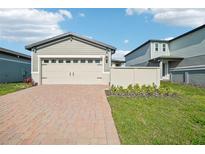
(57, 114)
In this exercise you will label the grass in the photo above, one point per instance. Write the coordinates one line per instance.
(12, 87)
(161, 120)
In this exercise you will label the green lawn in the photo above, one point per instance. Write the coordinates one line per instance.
(12, 87)
(161, 120)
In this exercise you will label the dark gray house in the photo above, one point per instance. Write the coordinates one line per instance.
(181, 59)
(14, 66)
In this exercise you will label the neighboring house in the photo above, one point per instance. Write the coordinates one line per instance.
(14, 66)
(118, 63)
(71, 59)
(181, 59)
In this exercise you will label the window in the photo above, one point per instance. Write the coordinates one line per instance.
(90, 61)
(97, 61)
(82, 60)
(60, 61)
(164, 47)
(68, 61)
(75, 61)
(156, 47)
(53, 61)
(46, 61)
(106, 59)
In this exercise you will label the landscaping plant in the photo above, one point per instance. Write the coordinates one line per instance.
(136, 90)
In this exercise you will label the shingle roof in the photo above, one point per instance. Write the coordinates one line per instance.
(7, 51)
(30, 46)
(198, 28)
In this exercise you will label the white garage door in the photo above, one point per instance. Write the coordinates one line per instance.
(72, 71)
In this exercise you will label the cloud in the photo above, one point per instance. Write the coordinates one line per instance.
(81, 14)
(176, 17)
(119, 54)
(132, 11)
(168, 38)
(126, 41)
(90, 37)
(66, 13)
(30, 25)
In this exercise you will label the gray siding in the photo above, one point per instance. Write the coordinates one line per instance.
(192, 48)
(141, 64)
(12, 71)
(191, 61)
(196, 77)
(189, 45)
(68, 47)
(5, 56)
(138, 57)
(177, 77)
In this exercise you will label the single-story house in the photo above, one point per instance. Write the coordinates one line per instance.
(71, 59)
(118, 63)
(181, 59)
(14, 66)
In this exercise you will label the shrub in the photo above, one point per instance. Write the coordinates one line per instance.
(136, 90)
(130, 88)
(113, 89)
(29, 80)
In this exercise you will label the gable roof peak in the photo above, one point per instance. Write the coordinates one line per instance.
(68, 34)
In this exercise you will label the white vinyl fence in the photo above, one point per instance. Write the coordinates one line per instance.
(124, 76)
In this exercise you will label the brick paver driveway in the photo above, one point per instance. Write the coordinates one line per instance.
(57, 114)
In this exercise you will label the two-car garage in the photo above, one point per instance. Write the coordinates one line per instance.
(71, 71)
(71, 59)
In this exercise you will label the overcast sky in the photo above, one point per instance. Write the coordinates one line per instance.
(123, 28)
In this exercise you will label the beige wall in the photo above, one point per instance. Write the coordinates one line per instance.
(67, 47)
(135, 75)
(72, 48)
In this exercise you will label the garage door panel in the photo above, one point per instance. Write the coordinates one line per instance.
(53, 67)
(72, 73)
(76, 74)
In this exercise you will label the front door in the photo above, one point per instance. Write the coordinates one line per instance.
(165, 71)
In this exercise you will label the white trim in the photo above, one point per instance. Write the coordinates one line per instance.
(103, 64)
(31, 61)
(34, 72)
(40, 74)
(11, 60)
(70, 56)
(188, 67)
(135, 67)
